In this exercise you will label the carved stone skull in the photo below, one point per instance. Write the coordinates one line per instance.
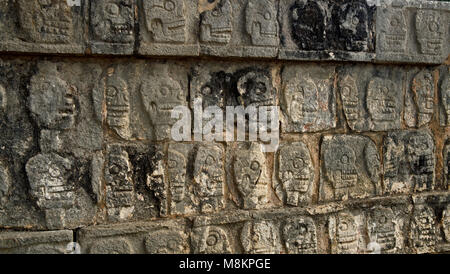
(177, 175)
(216, 24)
(165, 19)
(381, 102)
(300, 236)
(261, 22)
(113, 20)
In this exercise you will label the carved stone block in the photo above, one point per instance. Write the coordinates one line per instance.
(412, 31)
(372, 97)
(344, 229)
(240, 28)
(261, 237)
(419, 99)
(446, 223)
(46, 242)
(423, 229)
(157, 237)
(250, 180)
(212, 239)
(444, 97)
(112, 26)
(447, 164)
(309, 29)
(42, 26)
(225, 84)
(169, 27)
(300, 236)
(308, 98)
(295, 175)
(350, 168)
(163, 87)
(409, 162)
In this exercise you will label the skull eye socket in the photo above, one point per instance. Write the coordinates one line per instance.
(54, 172)
(298, 162)
(164, 91)
(433, 26)
(114, 170)
(346, 91)
(206, 91)
(172, 164)
(169, 5)
(255, 166)
(209, 160)
(212, 239)
(382, 220)
(395, 22)
(345, 159)
(267, 16)
(112, 9)
(355, 21)
(111, 91)
(216, 13)
(302, 230)
(343, 226)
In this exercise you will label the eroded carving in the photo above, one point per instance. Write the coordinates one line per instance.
(209, 178)
(446, 223)
(5, 182)
(255, 89)
(308, 21)
(120, 194)
(409, 162)
(49, 176)
(419, 109)
(261, 22)
(112, 246)
(213, 240)
(117, 102)
(52, 99)
(112, 21)
(382, 103)
(45, 21)
(394, 32)
(382, 228)
(300, 236)
(445, 100)
(176, 165)
(351, 168)
(344, 232)
(430, 31)
(302, 97)
(260, 237)
(423, 229)
(3, 99)
(350, 100)
(165, 19)
(296, 174)
(250, 176)
(166, 242)
(217, 24)
(161, 94)
(352, 29)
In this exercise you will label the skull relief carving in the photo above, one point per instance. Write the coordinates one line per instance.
(249, 174)
(430, 31)
(393, 35)
(345, 232)
(381, 101)
(260, 237)
(177, 175)
(423, 231)
(52, 99)
(350, 100)
(300, 236)
(166, 242)
(216, 25)
(381, 224)
(209, 176)
(261, 22)
(113, 20)
(165, 19)
(213, 240)
(301, 96)
(296, 174)
(46, 21)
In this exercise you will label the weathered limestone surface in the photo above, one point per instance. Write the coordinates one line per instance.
(87, 152)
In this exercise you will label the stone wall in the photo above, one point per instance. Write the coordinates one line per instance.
(86, 93)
